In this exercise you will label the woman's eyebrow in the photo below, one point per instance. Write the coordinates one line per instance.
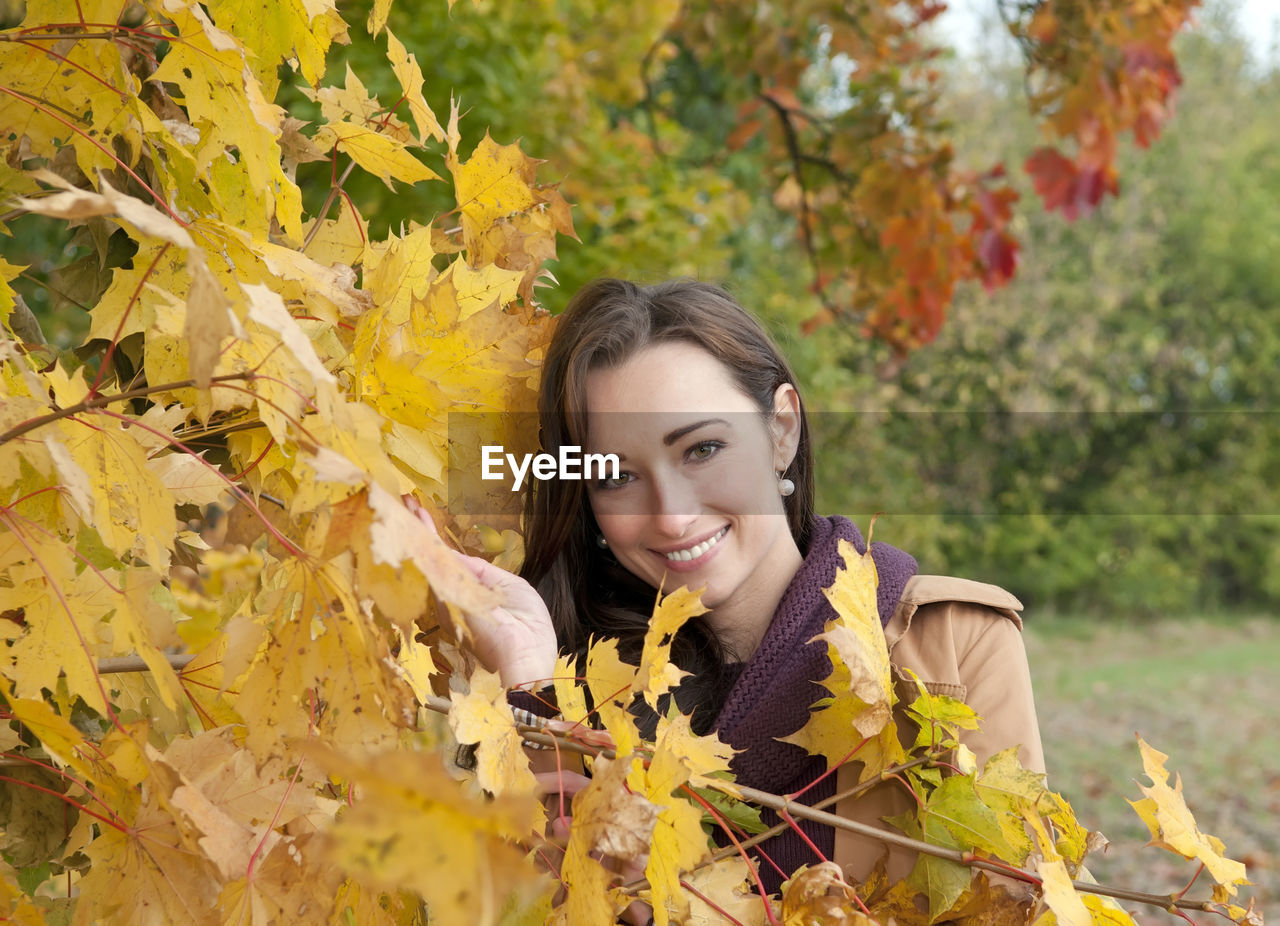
(678, 433)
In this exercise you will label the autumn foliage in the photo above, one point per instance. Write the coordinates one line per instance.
(890, 222)
(225, 696)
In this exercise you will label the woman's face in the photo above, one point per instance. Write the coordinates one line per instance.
(696, 502)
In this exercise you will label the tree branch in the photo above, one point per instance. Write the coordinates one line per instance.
(104, 400)
(334, 189)
(806, 216)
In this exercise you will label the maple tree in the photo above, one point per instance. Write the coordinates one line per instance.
(686, 133)
(244, 721)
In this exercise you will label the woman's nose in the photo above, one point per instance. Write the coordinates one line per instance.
(675, 507)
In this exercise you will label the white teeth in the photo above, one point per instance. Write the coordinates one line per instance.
(683, 556)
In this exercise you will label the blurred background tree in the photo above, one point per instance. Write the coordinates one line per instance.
(1100, 434)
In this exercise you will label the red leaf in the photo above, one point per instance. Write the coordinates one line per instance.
(1053, 176)
(1064, 185)
(999, 255)
(743, 134)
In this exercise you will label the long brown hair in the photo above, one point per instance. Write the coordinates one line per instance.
(587, 592)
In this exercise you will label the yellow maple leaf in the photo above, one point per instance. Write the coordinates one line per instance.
(209, 320)
(570, 696)
(1107, 912)
(132, 508)
(858, 636)
(678, 840)
(63, 613)
(1006, 787)
(225, 102)
(474, 291)
(1165, 812)
(267, 309)
(678, 845)
(415, 665)
(343, 240)
(164, 269)
(860, 708)
(727, 884)
(320, 649)
(352, 102)
(284, 885)
(397, 271)
(190, 479)
(378, 14)
(494, 182)
(681, 756)
(70, 85)
(379, 154)
(620, 724)
(409, 75)
(397, 537)
(590, 898)
(481, 715)
(819, 894)
(254, 824)
(277, 32)
(656, 675)
(411, 823)
(147, 875)
(611, 818)
(246, 791)
(1066, 908)
(137, 627)
(609, 679)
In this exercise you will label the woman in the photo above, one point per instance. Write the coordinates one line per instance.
(715, 489)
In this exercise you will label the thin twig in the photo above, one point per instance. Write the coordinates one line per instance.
(118, 665)
(324, 210)
(821, 805)
(103, 400)
(806, 216)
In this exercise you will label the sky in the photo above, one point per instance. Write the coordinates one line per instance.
(1259, 20)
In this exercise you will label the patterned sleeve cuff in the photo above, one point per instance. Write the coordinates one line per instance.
(539, 703)
(533, 710)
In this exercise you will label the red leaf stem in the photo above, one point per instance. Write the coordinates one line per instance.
(755, 875)
(115, 338)
(69, 800)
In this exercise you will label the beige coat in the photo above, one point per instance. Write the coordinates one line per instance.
(963, 639)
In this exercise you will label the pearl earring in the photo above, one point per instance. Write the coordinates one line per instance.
(601, 542)
(785, 486)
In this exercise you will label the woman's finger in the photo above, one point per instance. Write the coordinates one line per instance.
(581, 733)
(561, 782)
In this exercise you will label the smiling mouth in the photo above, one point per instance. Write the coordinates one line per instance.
(684, 556)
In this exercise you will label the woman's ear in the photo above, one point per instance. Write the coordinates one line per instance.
(785, 425)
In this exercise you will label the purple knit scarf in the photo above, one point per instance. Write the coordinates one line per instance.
(780, 682)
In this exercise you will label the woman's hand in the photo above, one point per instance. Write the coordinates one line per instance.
(515, 639)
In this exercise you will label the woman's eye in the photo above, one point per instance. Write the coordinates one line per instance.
(704, 450)
(615, 482)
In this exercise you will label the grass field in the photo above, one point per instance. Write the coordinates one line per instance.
(1205, 692)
